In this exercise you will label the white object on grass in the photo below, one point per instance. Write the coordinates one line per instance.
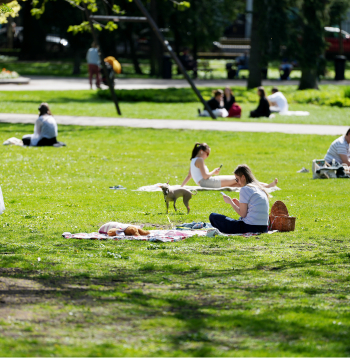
(155, 187)
(13, 141)
(2, 205)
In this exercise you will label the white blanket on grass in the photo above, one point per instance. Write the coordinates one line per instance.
(155, 187)
(2, 205)
(294, 113)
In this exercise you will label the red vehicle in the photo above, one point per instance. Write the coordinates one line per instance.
(332, 38)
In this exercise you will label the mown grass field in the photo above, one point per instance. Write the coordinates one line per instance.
(285, 294)
(89, 103)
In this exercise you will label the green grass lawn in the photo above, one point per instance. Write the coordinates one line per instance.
(285, 294)
(64, 68)
(87, 103)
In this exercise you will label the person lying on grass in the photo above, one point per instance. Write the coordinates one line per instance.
(201, 175)
(339, 150)
(45, 130)
(252, 207)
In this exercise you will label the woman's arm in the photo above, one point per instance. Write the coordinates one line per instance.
(205, 173)
(241, 209)
(189, 176)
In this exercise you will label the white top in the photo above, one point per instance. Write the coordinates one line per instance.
(280, 100)
(45, 127)
(339, 146)
(258, 205)
(195, 172)
(2, 205)
(92, 57)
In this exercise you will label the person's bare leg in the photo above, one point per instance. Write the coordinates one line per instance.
(228, 180)
(271, 185)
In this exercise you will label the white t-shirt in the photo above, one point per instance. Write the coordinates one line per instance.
(45, 127)
(339, 146)
(258, 205)
(195, 172)
(280, 100)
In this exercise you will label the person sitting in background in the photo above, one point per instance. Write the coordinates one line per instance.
(278, 103)
(339, 150)
(242, 63)
(93, 60)
(234, 110)
(188, 62)
(45, 130)
(286, 69)
(216, 104)
(263, 109)
(229, 98)
(252, 207)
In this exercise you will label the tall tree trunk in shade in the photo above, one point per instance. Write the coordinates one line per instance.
(10, 32)
(308, 78)
(255, 60)
(156, 46)
(134, 58)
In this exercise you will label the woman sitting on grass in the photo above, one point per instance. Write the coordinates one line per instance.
(252, 207)
(45, 130)
(201, 175)
(263, 109)
(216, 104)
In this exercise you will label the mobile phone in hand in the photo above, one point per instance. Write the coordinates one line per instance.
(220, 166)
(223, 193)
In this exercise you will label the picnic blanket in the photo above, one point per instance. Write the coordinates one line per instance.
(155, 235)
(294, 113)
(155, 187)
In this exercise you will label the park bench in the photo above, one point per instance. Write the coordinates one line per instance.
(204, 66)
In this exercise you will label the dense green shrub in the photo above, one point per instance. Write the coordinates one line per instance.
(327, 95)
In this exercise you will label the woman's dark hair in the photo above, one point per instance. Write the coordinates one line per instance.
(243, 169)
(218, 92)
(347, 133)
(197, 147)
(262, 92)
(44, 109)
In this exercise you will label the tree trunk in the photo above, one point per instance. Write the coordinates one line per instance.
(134, 58)
(156, 47)
(255, 60)
(10, 32)
(77, 62)
(308, 79)
(341, 48)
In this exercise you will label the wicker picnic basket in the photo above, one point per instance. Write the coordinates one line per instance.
(280, 219)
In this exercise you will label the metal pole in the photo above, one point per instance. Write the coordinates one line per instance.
(173, 55)
(110, 83)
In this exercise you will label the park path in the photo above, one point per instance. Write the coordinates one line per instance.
(41, 83)
(211, 125)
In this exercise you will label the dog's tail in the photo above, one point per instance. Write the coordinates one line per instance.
(193, 190)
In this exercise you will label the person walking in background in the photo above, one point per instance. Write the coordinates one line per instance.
(263, 109)
(278, 102)
(93, 60)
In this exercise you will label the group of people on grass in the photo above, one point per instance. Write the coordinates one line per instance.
(223, 104)
(253, 205)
